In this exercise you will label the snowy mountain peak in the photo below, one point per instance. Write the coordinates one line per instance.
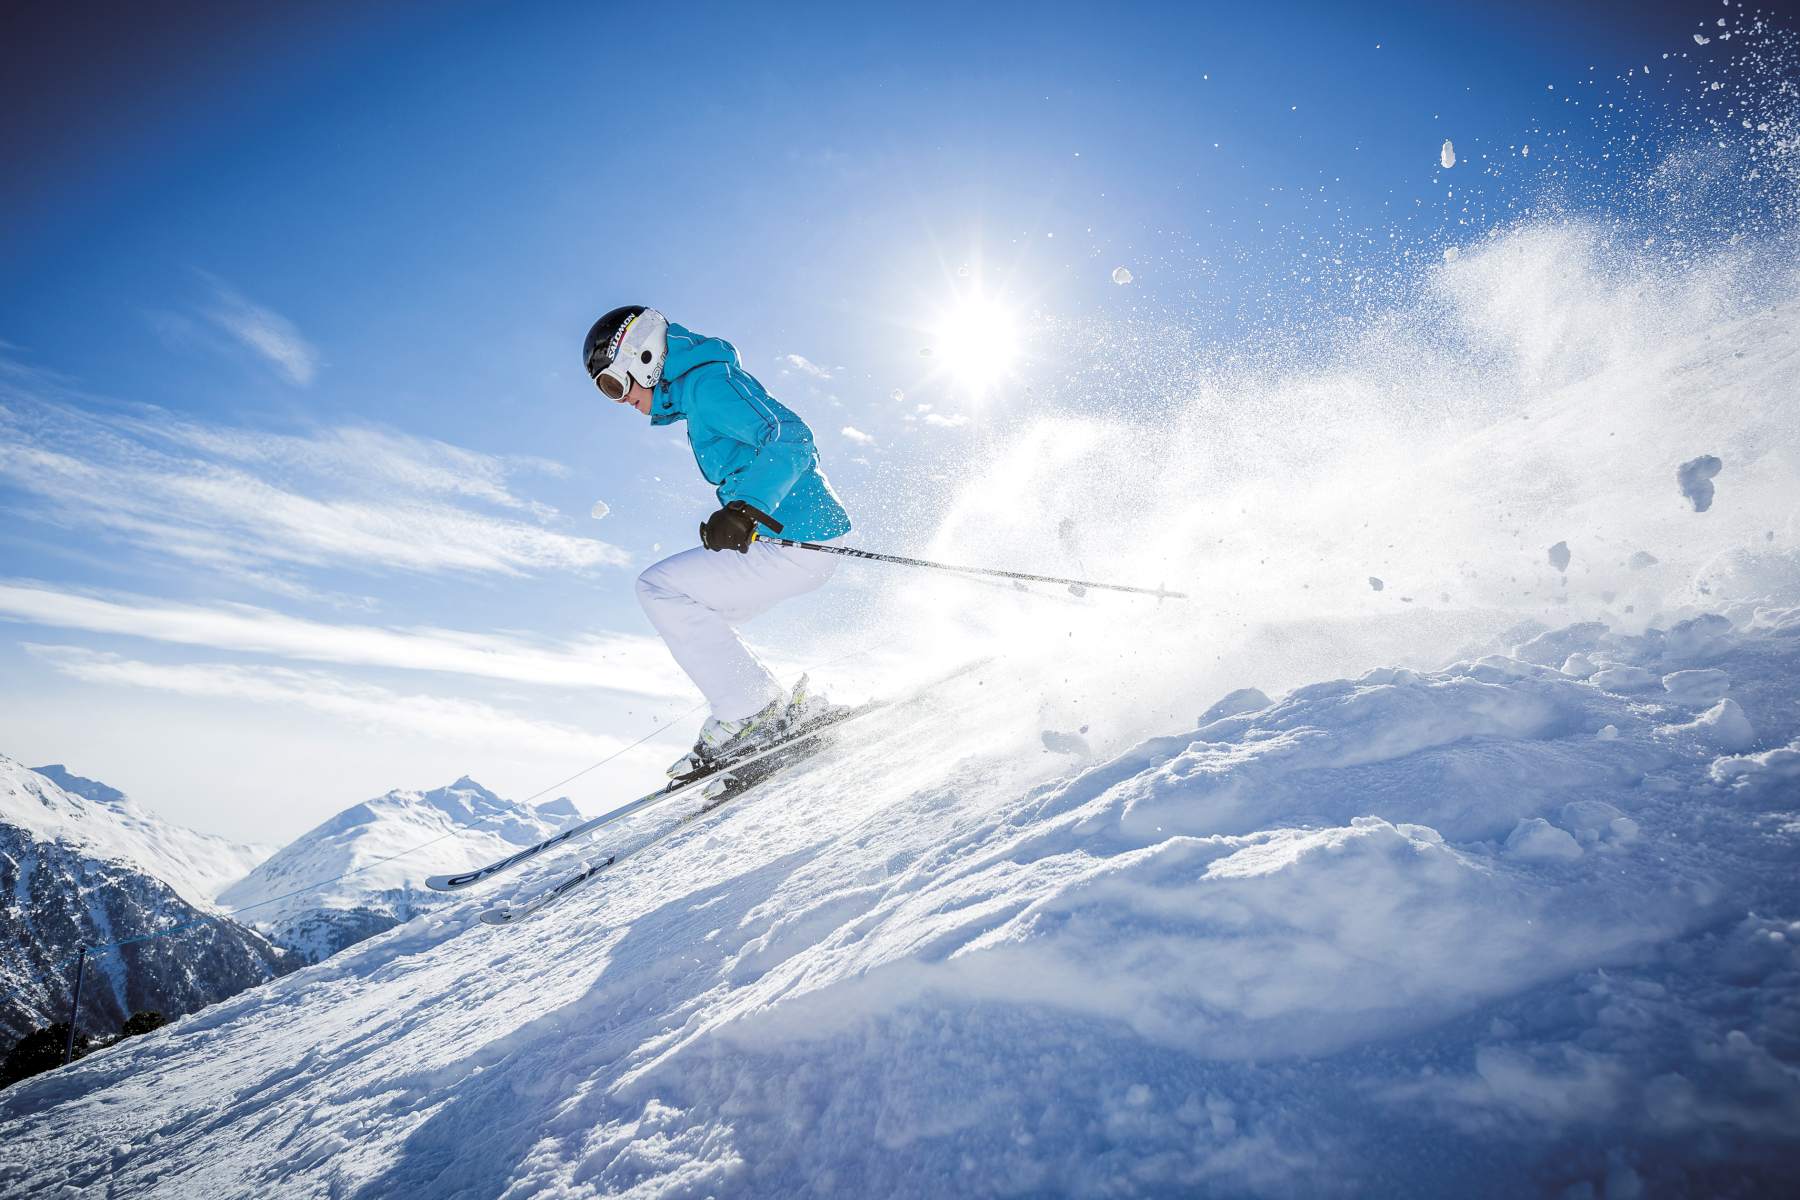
(103, 823)
(363, 870)
(91, 869)
(468, 803)
(91, 789)
(562, 808)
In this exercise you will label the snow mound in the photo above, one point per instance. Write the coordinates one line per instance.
(1234, 704)
(1325, 944)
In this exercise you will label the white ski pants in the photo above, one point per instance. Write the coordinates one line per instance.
(695, 598)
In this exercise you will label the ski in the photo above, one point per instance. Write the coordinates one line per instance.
(735, 786)
(669, 791)
(735, 779)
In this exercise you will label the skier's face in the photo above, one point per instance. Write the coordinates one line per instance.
(638, 397)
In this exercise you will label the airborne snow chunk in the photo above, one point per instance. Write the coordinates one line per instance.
(1375, 584)
(1559, 556)
(1695, 477)
(1121, 276)
(1641, 559)
(1447, 155)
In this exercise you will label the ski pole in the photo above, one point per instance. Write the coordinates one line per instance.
(850, 552)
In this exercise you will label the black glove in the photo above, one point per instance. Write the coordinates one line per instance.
(732, 527)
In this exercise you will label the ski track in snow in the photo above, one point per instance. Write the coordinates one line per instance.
(1285, 952)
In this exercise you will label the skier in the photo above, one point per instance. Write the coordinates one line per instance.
(761, 459)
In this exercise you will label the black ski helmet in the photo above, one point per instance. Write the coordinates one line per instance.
(627, 344)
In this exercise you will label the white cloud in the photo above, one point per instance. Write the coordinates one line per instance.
(399, 461)
(265, 332)
(806, 366)
(946, 422)
(613, 662)
(852, 433)
(464, 723)
(244, 501)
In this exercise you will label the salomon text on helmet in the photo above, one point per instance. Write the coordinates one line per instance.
(626, 344)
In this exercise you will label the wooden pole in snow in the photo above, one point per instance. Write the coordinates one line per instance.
(75, 1006)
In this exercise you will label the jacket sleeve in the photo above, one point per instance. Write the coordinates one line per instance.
(735, 406)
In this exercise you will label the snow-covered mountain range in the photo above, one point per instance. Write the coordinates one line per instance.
(1328, 944)
(442, 830)
(85, 865)
(197, 865)
(76, 871)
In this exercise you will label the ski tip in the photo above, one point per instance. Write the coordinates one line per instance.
(498, 916)
(439, 883)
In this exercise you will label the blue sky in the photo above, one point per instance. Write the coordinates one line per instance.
(297, 460)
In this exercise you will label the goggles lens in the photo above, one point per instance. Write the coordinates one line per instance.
(611, 386)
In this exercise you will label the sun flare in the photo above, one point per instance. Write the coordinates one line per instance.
(976, 342)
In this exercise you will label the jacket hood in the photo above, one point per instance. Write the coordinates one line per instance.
(687, 350)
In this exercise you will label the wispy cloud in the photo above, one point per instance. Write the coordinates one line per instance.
(246, 500)
(953, 421)
(853, 434)
(806, 366)
(264, 331)
(614, 662)
(463, 722)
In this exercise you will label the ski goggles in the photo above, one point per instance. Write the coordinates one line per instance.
(608, 373)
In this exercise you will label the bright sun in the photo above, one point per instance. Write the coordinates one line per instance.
(976, 343)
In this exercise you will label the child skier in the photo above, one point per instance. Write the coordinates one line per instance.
(762, 460)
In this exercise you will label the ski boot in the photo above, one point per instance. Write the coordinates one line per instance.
(780, 720)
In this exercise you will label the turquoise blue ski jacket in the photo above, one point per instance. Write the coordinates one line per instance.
(747, 444)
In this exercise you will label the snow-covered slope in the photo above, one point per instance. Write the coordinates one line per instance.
(1524, 924)
(197, 865)
(381, 886)
(73, 872)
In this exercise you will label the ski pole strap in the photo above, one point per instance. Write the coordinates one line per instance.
(852, 552)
